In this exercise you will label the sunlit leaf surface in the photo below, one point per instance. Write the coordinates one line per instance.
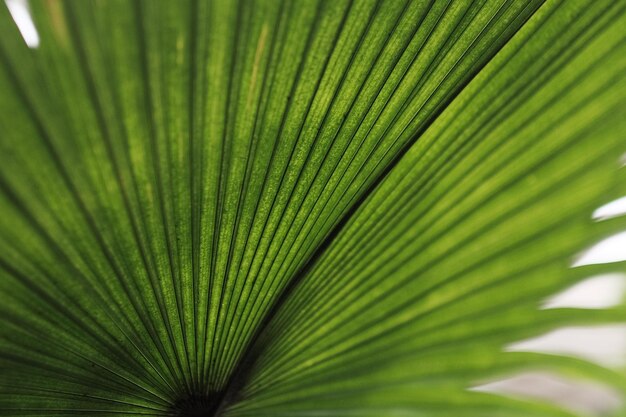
(300, 208)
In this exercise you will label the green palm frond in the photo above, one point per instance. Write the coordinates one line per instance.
(300, 208)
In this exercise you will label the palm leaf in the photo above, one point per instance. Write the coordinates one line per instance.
(299, 207)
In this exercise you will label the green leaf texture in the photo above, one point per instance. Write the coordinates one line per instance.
(299, 207)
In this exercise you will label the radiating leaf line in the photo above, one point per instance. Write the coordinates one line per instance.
(34, 222)
(365, 193)
(401, 207)
(218, 359)
(605, 151)
(453, 203)
(343, 77)
(405, 192)
(159, 187)
(91, 83)
(399, 285)
(299, 208)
